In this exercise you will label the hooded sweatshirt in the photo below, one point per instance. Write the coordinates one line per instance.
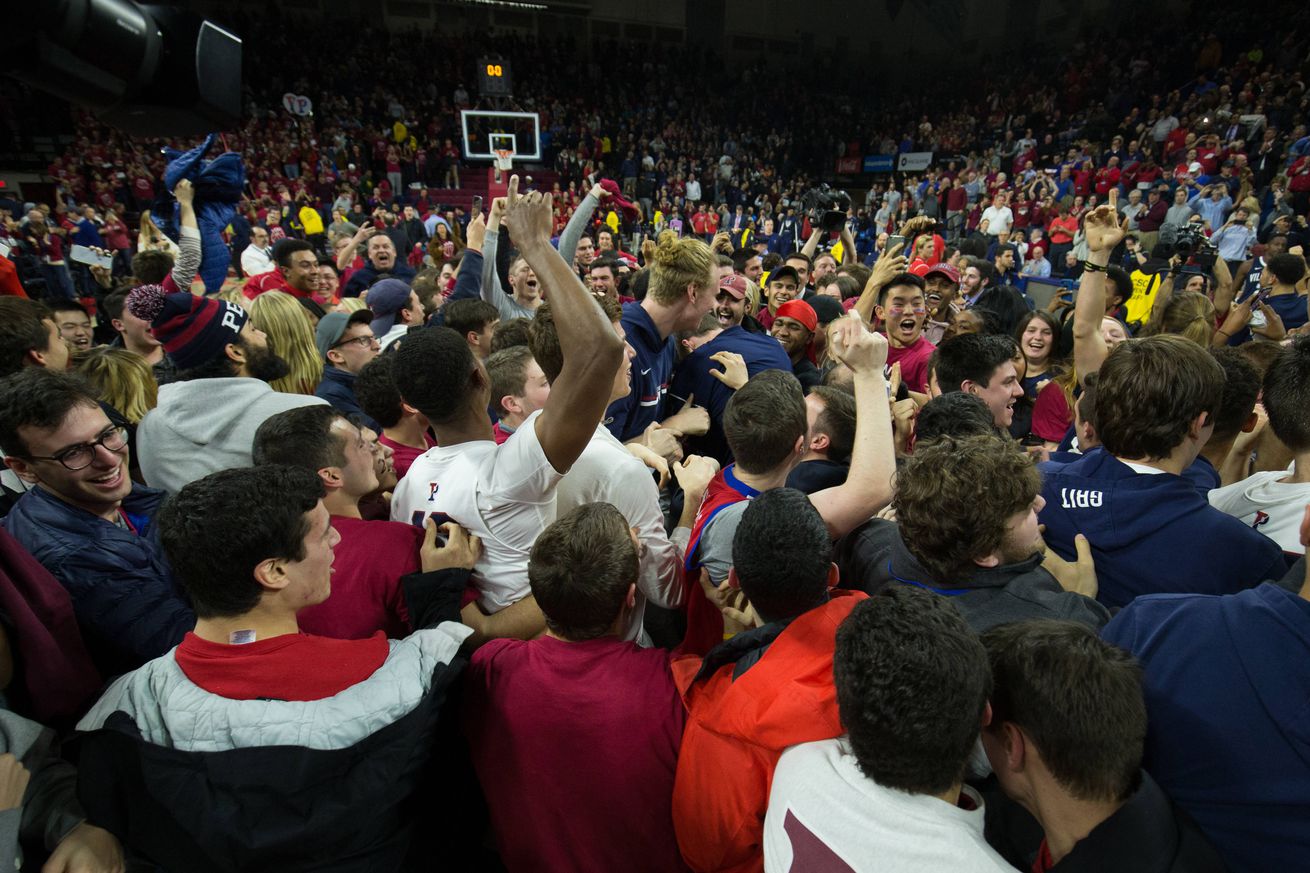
(754, 695)
(206, 425)
(1226, 699)
(1150, 534)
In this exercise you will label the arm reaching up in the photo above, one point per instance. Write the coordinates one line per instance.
(189, 250)
(1103, 229)
(868, 485)
(591, 349)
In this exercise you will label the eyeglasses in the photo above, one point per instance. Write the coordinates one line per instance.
(79, 457)
(364, 341)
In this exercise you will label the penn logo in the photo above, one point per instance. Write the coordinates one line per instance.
(1080, 498)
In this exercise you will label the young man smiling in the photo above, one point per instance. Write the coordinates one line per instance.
(86, 521)
(981, 364)
(794, 325)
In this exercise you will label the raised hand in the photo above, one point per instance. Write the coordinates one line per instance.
(857, 347)
(734, 373)
(1103, 227)
(528, 215)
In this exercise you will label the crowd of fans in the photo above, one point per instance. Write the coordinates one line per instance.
(678, 515)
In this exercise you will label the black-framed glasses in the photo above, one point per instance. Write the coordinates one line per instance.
(364, 341)
(79, 457)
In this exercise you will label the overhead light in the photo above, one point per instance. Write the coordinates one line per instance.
(507, 4)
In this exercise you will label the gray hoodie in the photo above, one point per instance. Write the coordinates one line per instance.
(206, 425)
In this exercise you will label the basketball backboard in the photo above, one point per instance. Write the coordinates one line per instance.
(485, 132)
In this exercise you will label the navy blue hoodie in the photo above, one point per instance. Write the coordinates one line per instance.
(1150, 533)
(1226, 694)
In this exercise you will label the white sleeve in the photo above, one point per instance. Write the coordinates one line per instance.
(633, 493)
(522, 472)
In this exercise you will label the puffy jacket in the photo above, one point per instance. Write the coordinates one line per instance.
(751, 698)
(218, 187)
(195, 782)
(338, 388)
(126, 602)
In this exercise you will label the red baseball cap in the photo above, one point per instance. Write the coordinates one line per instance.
(946, 270)
(734, 285)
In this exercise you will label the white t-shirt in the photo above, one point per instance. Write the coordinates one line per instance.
(998, 220)
(693, 189)
(503, 493)
(823, 813)
(397, 331)
(606, 472)
(1274, 508)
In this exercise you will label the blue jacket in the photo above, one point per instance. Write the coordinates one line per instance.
(1150, 534)
(338, 388)
(218, 186)
(761, 352)
(123, 594)
(1226, 695)
(652, 368)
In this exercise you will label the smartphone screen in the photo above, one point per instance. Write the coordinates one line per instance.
(895, 240)
(477, 204)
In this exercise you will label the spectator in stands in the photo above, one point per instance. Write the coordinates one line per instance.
(768, 688)
(1213, 671)
(765, 425)
(395, 308)
(135, 336)
(506, 493)
(256, 259)
(404, 430)
(206, 419)
(347, 344)
(1156, 402)
(238, 686)
(1065, 741)
(380, 262)
(295, 271)
(983, 552)
(911, 685)
(1273, 501)
(794, 326)
(981, 364)
(476, 321)
(829, 438)
(73, 323)
(86, 521)
(613, 749)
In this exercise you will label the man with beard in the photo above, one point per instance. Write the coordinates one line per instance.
(902, 308)
(704, 374)
(206, 420)
(794, 327)
(380, 263)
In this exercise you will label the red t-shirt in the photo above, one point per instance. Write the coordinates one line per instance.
(914, 363)
(273, 280)
(1051, 413)
(401, 455)
(286, 667)
(598, 722)
(366, 595)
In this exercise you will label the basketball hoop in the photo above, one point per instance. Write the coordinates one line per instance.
(504, 159)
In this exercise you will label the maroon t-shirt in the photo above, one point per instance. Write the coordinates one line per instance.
(402, 455)
(576, 746)
(366, 595)
(914, 363)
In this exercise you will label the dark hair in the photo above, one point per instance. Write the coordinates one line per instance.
(214, 549)
(898, 280)
(150, 267)
(763, 420)
(509, 333)
(1123, 286)
(284, 248)
(957, 414)
(1241, 390)
(463, 316)
(300, 437)
(799, 256)
(66, 306)
(912, 683)
(1287, 269)
(435, 371)
(376, 391)
(41, 398)
(1087, 400)
(1149, 392)
(605, 261)
(971, 357)
(508, 372)
(1079, 700)
(946, 520)
(837, 421)
(781, 554)
(1049, 320)
(771, 261)
(22, 331)
(543, 338)
(1287, 395)
(580, 568)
